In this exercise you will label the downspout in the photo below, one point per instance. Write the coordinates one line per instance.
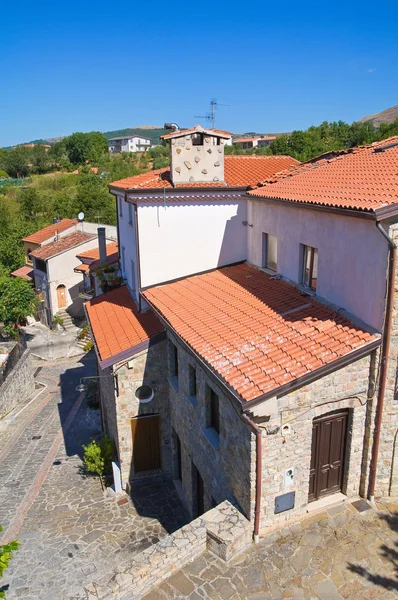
(137, 250)
(384, 358)
(259, 464)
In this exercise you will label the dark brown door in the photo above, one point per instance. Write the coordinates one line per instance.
(146, 443)
(200, 494)
(327, 455)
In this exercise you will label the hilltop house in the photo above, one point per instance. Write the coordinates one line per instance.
(254, 142)
(50, 255)
(132, 143)
(246, 358)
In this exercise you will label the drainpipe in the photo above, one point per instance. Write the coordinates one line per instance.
(138, 259)
(383, 358)
(259, 463)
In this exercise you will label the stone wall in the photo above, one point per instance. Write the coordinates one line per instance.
(146, 368)
(18, 385)
(223, 526)
(226, 462)
(346, 388)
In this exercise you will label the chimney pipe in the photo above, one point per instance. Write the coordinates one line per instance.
(102, 244)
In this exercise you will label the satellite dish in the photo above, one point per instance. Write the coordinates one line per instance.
(80, 216)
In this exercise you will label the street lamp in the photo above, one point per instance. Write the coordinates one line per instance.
(82, 387)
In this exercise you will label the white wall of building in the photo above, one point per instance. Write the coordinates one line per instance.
(127, 245)
(352, 254)
(60, 271)
(129, 144)
(184, 238)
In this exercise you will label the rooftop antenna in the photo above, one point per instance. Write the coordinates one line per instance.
(211, 116)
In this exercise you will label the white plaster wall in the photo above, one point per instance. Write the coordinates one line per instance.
(186, 238)
(128, 242)
(110, 230)
(60, 271)
(352, 255)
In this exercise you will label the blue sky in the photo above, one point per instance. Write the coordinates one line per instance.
(280, 66)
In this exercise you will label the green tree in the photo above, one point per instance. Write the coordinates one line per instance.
(17, 161)
(86, 147)
(40, 159)
(6, 554)
(17, 302)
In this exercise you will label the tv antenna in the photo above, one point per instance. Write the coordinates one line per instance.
(211, 116)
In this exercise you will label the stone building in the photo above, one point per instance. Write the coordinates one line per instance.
(246, 356)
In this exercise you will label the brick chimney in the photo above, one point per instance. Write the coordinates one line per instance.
(197, 155)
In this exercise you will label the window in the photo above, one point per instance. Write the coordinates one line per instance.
(130, 214)
(309, 275)
(192, 381)
(173, 360)
(144, 394)
(40, 265)
(270, 251)
(213, 410)
(120, 207)
(197, 139)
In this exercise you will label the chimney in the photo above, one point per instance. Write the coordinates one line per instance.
(197, 155)
(102, 244)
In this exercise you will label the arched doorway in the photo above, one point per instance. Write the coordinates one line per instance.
(61, 296)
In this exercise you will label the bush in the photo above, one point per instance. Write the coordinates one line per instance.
(161, 162)
(58, 320)
(5, 557)
(98, 456)
(89, 346)
(3, 174)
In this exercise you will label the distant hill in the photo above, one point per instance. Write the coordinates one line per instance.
(385, 116)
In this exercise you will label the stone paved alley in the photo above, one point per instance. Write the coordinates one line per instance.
(69, 531)
(336, 554)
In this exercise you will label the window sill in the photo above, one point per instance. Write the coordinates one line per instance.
(193, 400)
(173, 381)
(307, 290)
(212, 437)
(269, 271)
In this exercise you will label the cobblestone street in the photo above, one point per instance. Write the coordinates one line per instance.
(69, 531)
(332, 555)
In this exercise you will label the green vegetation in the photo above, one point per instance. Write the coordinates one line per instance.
(44, 184)
(5, 557)
(98, 457)
(327, 137)
(152, 134)
(17, 301)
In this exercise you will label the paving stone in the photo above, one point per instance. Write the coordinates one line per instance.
(326, 590)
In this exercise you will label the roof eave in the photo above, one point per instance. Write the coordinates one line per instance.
(348, 212)
(389, 212)
(175, 191)
(308, 378)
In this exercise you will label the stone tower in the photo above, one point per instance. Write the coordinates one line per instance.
(197, 155)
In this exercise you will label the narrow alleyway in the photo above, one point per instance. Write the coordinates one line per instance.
(69, 531)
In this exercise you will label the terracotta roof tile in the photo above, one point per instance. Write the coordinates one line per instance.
(49, 232)
(238, 319)
(93, 254)
(118, 327)
(363, 178)
(64, 243)
(24, 272)
(239, 171)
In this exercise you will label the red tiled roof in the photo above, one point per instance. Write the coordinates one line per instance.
(49, 232)
(111, 259)
(258, 333)
(363, 178)
(24, 272)
(239, 171)
(81, 269)
(119, 330)
(197, 128)
(93, 254)
(64, 243)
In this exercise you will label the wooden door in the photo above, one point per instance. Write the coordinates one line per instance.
(146, 443)
(61, 296)
(327, 455)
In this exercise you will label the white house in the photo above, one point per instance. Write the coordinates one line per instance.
(254, 142)
(132, 143)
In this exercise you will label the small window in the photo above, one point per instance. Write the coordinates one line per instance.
(310, 267)
(192, 381)
(270, 252)
(130, 214)
(120, 207)
(197, 139)
(144, 394)
(213, 410)
(173, 360)
(124, 260)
